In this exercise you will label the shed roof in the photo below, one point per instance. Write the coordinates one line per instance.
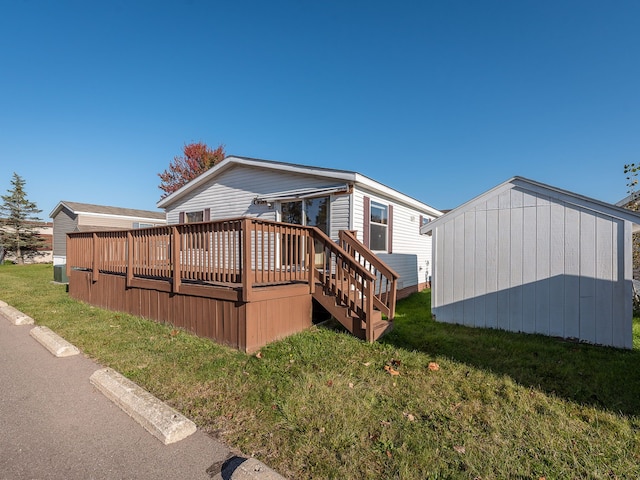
(540, 189)
(321, 172)
(102, 210)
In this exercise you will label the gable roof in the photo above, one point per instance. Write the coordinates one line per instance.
(321, 172)
(541, 189)
(102, 210)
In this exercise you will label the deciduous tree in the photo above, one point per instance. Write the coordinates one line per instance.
(631, 171)
(18, 223)
(196, 159)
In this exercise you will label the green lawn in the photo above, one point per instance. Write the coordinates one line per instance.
(321, 405)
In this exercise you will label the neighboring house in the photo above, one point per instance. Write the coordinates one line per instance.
(386, 221)
(528, 257)
(84, 217)
(45, 254)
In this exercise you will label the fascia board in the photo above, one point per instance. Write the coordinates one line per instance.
(56, 209)
(497, 190)
(396, 195)
(570, 198)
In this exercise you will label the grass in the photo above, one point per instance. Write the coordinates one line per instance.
(320, 404)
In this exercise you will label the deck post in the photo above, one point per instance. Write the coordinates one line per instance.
(129, 258)
(175, 259)
(392, 298)
(369, 309)
(70, 257)
(95, 270)
(311, 261)
(247, 281)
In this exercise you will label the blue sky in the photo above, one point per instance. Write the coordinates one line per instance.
(441, 100)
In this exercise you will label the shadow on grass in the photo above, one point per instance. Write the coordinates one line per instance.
(603, 377)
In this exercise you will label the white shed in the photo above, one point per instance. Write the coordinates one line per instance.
(528, 257)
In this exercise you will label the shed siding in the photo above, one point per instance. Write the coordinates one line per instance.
(64, 222)
(527, 262)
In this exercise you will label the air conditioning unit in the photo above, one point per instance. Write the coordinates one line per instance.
(60, 274)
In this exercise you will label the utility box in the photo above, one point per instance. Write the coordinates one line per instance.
(60, 274)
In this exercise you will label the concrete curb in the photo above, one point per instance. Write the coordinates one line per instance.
(15, 316)
(248, 469)
(53, 342)
(3, 304)
(159, 419)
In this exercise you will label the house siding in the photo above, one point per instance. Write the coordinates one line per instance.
(411, 253)
(88, 220)
(528, 262)
(233, 192)
(64, 222)
(339, 212)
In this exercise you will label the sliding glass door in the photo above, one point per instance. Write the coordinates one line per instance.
(312, 212)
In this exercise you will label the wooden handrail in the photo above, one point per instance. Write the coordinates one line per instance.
(349, 238)
(385, 290)
(241, 253)
(344, 277)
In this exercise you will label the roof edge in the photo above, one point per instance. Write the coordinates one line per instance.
(570, 197)
(336, 174)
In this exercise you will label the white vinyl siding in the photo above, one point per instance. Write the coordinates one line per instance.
(233, 192)
(411, 257)
(339, 209)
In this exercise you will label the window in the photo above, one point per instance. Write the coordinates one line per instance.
(193, 217)
(378, 227)
(291, 212)
(142, 225)
(313, 212)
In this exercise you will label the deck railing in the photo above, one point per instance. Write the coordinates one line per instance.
(386, 279)
(245, 254)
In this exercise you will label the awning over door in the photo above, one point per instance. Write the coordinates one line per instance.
(301, 193)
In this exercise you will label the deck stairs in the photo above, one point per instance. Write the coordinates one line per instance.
(356, 287)
(355, 322)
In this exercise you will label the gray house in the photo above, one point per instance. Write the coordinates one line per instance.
(528, 257)
(85, 217)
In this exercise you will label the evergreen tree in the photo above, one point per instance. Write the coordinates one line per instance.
(18, 223)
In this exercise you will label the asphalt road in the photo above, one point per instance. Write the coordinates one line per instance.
(55, 425)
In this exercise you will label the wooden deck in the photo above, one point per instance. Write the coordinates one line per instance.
(242, 282)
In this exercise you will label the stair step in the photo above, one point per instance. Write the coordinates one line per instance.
(350, 320)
